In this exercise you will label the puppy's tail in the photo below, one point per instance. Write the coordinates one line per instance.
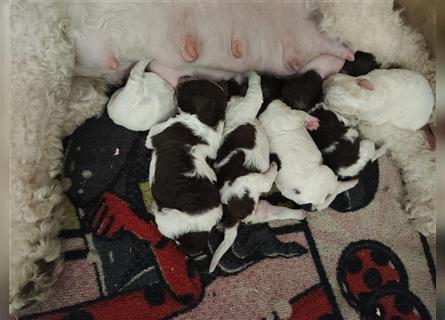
(229, 239)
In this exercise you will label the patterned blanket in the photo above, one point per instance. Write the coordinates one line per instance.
(358, 259)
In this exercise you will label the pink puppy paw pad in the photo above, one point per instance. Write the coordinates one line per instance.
(312, 124)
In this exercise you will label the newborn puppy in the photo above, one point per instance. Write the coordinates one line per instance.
(341, 147)
(146, 99)
(364, 63)
(243, 169)
(402, 98)
(270, 86)
(301, 177)
(187, 200)
(302, 92)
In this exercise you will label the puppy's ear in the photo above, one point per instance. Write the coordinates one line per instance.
(210, 110)
(343, 186)
(365, 84)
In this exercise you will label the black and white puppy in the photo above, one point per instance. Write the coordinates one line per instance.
(341, 147)
(243, 169)
(186, 198)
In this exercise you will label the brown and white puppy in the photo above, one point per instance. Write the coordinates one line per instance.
(244, 171)
(182, 182)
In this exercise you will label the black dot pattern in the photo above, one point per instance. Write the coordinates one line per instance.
(372, 278)
(379, 257)
(354, 264)
(403, 304)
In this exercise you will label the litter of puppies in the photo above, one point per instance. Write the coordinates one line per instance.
(217, 147)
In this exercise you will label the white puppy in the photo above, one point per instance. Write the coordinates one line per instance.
(400, 97)
(301, 177)
(243, 169)
(145, 100)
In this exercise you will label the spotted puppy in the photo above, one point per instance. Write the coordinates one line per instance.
(341, 147)
(243, 169)
(183, 184)
(301, 177)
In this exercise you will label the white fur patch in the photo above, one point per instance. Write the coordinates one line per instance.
(173, 223)
(229, 238)
(351, 135)
(254, 183)
(145, 100)
(201, 167)
(302, 177)
(331, 148)
(201, 152)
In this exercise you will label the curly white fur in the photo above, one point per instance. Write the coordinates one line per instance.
(410, 151)
(42, 63)
(87, 99)
(373, 26)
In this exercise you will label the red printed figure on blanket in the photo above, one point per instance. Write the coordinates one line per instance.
(181, 289)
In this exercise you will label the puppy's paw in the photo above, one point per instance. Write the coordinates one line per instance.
(273, 168)
(273, 165)
(312, 123)
(300, 214)
(149, 143)
(379, 152)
